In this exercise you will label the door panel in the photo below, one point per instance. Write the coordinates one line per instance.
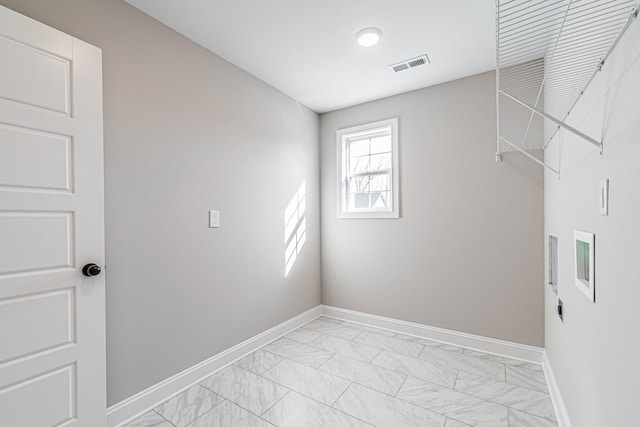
(53, 392)
(52, 358)
(34, 159)
(21, 321)
(35, 241)
(34, 77)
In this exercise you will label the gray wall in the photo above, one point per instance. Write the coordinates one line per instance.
(594, 353)
(186, 132)
(467, 252)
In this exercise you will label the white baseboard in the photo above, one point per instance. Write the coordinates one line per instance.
(558, 404)
(475, 342)
(130, 408)
(136, 405)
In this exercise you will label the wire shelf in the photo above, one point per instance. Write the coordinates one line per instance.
(552, 46)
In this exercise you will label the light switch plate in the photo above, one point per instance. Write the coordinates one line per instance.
(603, 197)
(214, 219)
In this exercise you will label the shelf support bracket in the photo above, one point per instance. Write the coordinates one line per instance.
(553, 119)
(538, 161)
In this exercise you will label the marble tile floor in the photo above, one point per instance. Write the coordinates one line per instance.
(332, 373)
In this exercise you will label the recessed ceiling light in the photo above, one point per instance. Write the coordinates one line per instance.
(368, 37)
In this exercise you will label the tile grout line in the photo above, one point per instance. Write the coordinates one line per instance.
(273, 367)
(270, 380)
(289, 389)
(406, 377)
(421, 350)
(163, 417)
(200, 401)
(344, 412)
(253, 373)
(316, 339)
(275, 403)
(357, 335)
(505, 372)
(173, 397)
(343, 392)
(456, 380)
(326, 361)
(248, 411)
(222, 399)
(374, 357)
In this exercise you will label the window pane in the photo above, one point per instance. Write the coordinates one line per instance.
(381, 199)
(359, 184)
(379, 183)
(381, 144)
(361, 200)
(380, 162)
(375, 200)
(359, 164)
(359, 148)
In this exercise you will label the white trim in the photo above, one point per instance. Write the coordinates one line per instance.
(475, 342)
(140, 403)
(554, 392)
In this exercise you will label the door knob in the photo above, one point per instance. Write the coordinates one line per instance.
(91, 270)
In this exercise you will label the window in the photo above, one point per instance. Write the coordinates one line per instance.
(368, 170)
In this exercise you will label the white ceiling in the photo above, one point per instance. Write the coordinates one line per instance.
(307, 48)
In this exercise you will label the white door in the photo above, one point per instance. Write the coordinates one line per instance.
(52, 327)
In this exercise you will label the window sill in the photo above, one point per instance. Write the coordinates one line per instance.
(368, 215)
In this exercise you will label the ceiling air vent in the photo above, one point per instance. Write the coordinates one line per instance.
(410, 63)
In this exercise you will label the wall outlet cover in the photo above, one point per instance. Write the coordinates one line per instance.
(214, 219)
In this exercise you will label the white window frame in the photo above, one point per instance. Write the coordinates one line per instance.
(342, 142)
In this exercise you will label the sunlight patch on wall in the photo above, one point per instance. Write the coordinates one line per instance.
(294, 228)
